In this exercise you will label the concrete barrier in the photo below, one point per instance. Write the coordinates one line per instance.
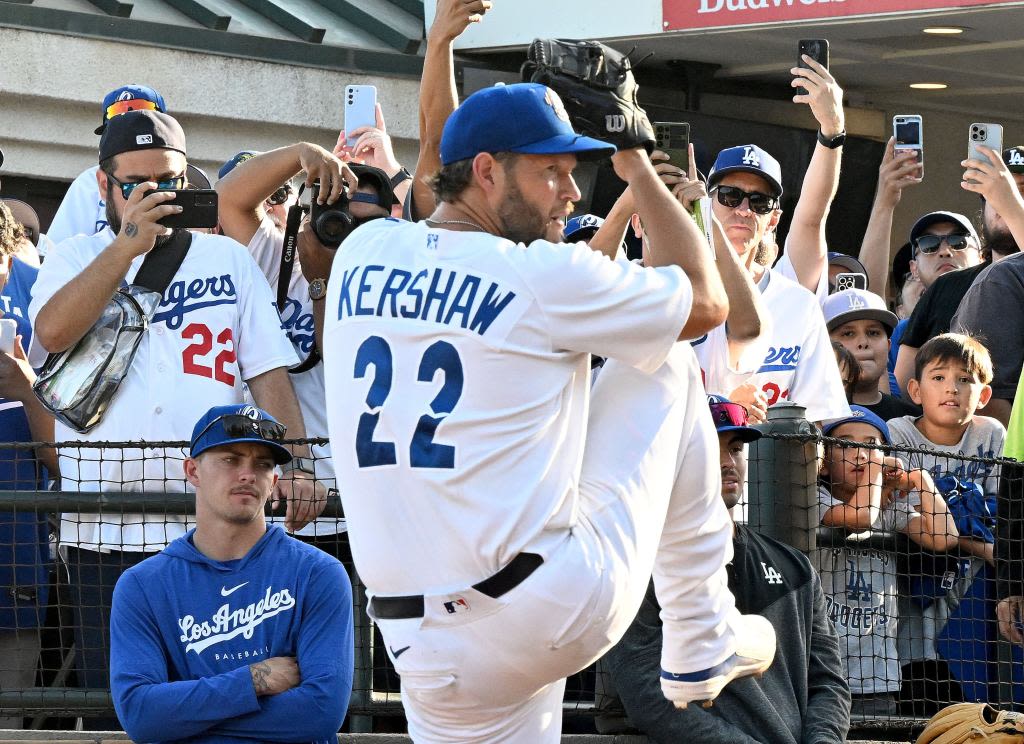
(118, 737)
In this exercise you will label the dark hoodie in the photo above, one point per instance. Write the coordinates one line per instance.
(184, 629)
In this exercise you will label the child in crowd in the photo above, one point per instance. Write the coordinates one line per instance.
(863, 490)
(950, 382)
(859, 320)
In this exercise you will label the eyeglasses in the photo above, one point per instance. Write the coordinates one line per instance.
(178, 182)
(930, 243)
(237, 426)
(132, 104)
(732, 197)
(280, 196)
(728, 414)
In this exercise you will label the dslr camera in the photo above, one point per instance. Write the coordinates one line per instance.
(332, 223)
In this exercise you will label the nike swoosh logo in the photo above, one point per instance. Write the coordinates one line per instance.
(224, 591)
(399, 652)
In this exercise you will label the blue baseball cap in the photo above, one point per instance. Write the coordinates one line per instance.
(582, 227)
(729, 416)
(240, 422)
(130, 98)
(859, 415)
(747, 159)
(231, 164)
(526, 118)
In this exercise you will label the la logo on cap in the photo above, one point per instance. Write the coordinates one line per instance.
(1016, 158)
(551, 99)
(750, 157)
(126, 95)
(144, 139)
(856, 303)
(251, 412)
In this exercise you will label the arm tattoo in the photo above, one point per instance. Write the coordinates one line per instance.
(131, 229)
(260, 672)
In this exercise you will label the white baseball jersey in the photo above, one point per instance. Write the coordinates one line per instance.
(82, 211)
(785, 267)
(457, 373)
(792, 361)
(297, 320)
(215, 328)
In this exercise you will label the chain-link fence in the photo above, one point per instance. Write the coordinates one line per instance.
(913, 599)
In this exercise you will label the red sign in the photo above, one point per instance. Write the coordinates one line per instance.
(691, 14)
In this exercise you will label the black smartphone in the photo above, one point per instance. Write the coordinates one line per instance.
(816, 49)
(199, 209)
(850, 280)
(673, 138)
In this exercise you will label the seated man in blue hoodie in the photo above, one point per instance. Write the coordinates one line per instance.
(236, 632)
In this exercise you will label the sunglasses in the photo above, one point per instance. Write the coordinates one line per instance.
(280, 196)
(237, 426)
(132, 104)
(728, 414)
(178, 182)
(732, 197)
(930, 243)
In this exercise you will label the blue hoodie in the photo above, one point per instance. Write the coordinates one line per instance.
(184, 629)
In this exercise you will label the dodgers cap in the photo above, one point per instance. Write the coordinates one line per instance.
(934, 218)
(859, 415)
(526, 118)
(141, 130)
(848, 262)
(129, 98)
(582, 227)
(747, 159)
(1014, 158)
(231, 164)
(212, 431)
(729, 416)
(857, 304)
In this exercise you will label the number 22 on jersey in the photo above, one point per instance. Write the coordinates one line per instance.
(424, 452)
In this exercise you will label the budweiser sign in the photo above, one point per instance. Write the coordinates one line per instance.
(691, 14)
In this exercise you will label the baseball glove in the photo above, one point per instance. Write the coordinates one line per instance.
(597, 87)
(973, 722)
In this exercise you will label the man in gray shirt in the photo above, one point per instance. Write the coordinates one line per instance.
(803, 698)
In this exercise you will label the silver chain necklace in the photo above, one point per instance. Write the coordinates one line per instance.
(456, 222)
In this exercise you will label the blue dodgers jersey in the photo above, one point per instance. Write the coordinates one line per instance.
(24, 536)
(181, 616)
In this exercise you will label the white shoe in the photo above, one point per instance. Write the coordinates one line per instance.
(755, 650)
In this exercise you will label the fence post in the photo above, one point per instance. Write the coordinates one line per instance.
(782, 494)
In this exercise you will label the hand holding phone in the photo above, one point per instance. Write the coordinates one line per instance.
(816, 49)
(908, 131)
(360, 110)
(673, 139)
(989, 135)
(8, 334)
(198, 209)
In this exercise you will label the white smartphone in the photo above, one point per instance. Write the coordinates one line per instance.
(360, 109)
(908, 130)
(8, 332)
(989, 135)
(850, 280)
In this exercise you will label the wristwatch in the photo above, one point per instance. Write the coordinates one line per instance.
(302, 464)
(402, 175)
(834, 142)
(317, 289)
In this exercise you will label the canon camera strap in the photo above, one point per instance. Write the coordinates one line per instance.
(162, 263)
(284, 278)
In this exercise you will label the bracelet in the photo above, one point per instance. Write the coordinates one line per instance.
(400, 177)
(834, 142)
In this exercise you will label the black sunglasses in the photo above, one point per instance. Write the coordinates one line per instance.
(280, 196)
(236, 426)
(732, 197)
(930, 243)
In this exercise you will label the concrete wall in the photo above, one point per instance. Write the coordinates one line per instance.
(52, 86)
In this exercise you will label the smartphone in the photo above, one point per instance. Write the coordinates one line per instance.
(909, 133)
(360, 109)
(989, 135)
(850, 280)
(816, 49)
(8, 331)
(199, 209)
(673, 138)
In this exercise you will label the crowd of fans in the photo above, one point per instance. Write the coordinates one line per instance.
(926, 362)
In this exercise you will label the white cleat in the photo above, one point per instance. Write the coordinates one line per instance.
(755, 650)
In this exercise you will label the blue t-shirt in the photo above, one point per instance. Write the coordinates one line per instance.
(24, 536)
(894, 349)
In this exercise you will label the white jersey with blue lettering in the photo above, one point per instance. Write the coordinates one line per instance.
(793, 361)
(457, 369)
(215, 328)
